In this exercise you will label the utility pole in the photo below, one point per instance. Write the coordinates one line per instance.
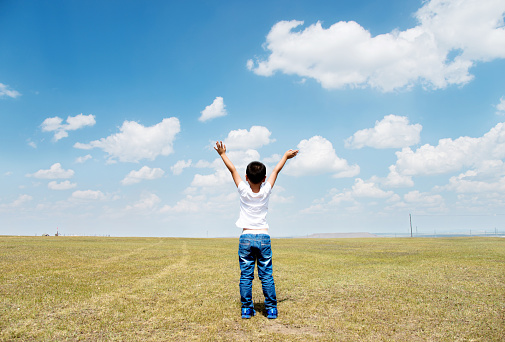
(410, 217)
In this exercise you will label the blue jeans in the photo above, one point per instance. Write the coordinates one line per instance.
(255, 248)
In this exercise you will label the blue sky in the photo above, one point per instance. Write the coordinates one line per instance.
(110, 109)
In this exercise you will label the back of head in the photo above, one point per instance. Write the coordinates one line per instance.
(256, 172)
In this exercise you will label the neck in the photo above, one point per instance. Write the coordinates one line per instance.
(255, 187)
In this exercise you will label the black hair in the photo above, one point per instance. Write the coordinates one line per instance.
(256, 172)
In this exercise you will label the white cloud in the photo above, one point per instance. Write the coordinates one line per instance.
(361, 190)
(369, 189)
(242, 139)
(17, 204)
(6, 91)
(136, 142)
(180, 166)
(500, 107)
(317, 156)
(214, 110)
(83, 159)
(147, 203)
(52, 124)
(391, 132)
(423, 199)
(56, 125)
(216, 179)
(273, 159)
(278, 198)
(420, 202)
(88, 195)
(202, 164)
(22, 199)
(65, 185)
(189, 204)
(464, 184)
(473, 26)
(488, 177)
(396, 180)
(346, 54)
(79, 121)
(203, 204)
(452, 155)
(145, 173)
(54, 172)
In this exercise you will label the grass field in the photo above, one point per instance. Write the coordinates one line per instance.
(164, 289)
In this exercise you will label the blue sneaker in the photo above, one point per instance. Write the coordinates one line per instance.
(248, 312)
(272, 313)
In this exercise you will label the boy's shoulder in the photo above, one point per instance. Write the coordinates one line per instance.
(244, 188)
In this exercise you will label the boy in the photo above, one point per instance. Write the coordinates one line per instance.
(254, 243)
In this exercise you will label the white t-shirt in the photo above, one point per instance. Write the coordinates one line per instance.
(253, 206)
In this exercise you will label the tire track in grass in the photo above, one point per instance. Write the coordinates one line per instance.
(97, 306)
(143, 282)
(111, 260)
(146, 281)
(120, 257)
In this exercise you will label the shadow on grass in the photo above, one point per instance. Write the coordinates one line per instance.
(260, 307)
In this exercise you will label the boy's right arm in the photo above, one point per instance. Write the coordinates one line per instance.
(221, 150)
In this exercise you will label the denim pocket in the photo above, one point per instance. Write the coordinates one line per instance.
(265, 241)
(244, 246)
(244, 241)
(266, 250)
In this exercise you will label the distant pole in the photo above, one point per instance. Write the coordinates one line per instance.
(410, 217)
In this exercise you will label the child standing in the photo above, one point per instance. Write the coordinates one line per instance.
(254, 243)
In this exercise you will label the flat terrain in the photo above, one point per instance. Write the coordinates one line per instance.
(164, 289)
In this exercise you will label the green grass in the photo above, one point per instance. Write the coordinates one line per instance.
(158, 289)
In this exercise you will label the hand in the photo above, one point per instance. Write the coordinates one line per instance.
(291, 153)
(220, 147)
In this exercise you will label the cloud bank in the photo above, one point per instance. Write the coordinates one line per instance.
(452, 35)
(449, 156)
(391, 132)
(135, 142)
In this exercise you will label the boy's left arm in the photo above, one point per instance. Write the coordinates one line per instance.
(288, 155)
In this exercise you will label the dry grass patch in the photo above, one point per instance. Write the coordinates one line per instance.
(152, 289)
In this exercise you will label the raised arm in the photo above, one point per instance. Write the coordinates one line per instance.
(221, 149)
(288, 155)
